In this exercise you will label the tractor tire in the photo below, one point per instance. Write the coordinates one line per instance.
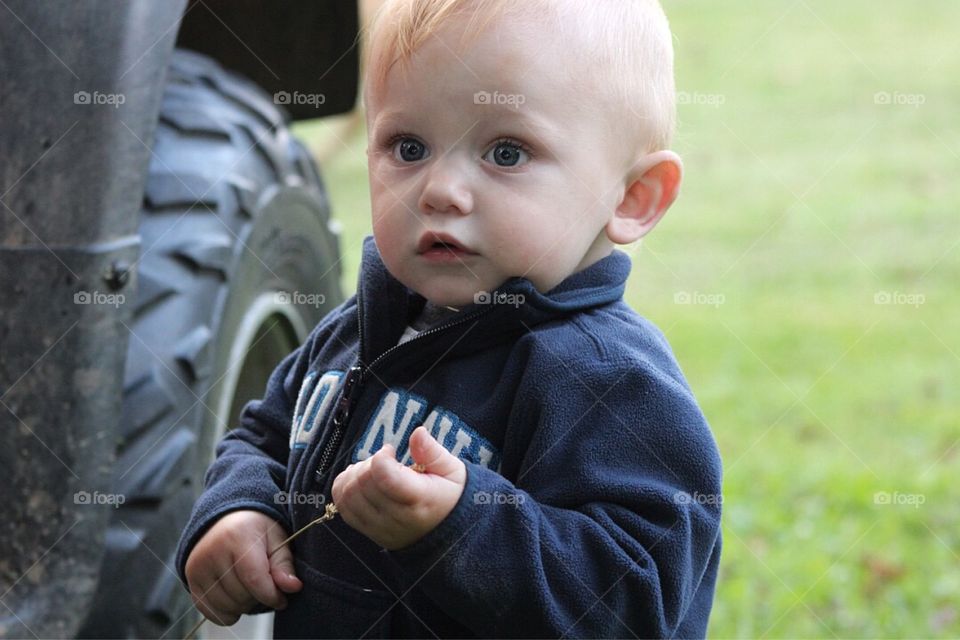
(239, 260)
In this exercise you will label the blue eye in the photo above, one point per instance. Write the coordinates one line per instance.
(507, 154)
(409, 150)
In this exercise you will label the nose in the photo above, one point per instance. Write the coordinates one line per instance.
(446, 190)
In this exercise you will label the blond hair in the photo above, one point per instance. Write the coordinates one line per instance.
(626, 44)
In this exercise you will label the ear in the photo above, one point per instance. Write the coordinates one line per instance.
(652, 185)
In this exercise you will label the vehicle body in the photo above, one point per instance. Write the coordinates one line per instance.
(157, 225)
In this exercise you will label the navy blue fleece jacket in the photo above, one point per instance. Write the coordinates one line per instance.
(592, 499)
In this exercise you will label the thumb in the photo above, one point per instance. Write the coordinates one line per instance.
(281, 563)
(426, 451)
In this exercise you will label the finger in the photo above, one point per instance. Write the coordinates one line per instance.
(211, 612)
(234, 589)
(215, 602)
(427, 451)
(343, 478)
(282, 570)
(391, 482)
(390, 513)
(218, 605)
(341, 491)
(377, 503)
(253, 573)
(357, 510)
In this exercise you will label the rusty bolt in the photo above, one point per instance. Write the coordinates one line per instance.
(117, 275)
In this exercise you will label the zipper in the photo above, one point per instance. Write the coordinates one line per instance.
(340, 415)
(354, 380)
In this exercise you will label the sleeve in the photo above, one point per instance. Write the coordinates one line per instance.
(251, 459)
(610, 530)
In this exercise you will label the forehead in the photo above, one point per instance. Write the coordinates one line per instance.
(514, 65)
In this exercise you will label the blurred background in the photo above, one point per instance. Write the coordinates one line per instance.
(807, 280)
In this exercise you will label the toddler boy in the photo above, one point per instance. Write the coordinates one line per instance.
(560, 455)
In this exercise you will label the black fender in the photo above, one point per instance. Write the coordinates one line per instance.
(80, 92)
(303, 53)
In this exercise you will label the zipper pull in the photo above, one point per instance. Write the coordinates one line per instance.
(341, 415)
(345, 404)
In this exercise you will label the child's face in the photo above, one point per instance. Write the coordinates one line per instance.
(505, 150)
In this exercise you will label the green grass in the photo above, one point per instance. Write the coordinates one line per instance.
(803, 199)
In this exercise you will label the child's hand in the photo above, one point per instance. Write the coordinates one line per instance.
(394, 505)
(229, 572)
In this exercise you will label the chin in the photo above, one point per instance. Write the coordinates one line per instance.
(450, 300)
(434, 291)
(445, 296)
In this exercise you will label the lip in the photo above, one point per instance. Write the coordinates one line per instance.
(429, 247)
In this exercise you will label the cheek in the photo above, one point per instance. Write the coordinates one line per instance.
(391, 193)
(382, 183)
(384, 209)
(529, 226)
(391, 251)
(388, 227)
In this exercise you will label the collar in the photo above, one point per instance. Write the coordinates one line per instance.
(385, 306)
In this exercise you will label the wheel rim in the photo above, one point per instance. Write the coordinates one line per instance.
(269, 330)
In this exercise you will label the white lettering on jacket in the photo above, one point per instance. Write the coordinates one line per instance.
(313, 403)
(397, 415)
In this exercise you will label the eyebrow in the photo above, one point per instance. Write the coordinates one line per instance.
(385, 119)
(538, 125)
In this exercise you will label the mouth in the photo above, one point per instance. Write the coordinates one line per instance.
(441, 244)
